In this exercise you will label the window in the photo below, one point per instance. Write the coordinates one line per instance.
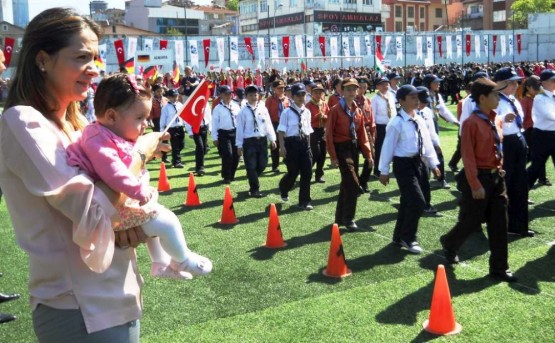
(333, 2)
(410, 24)
(422, 27)
(4, 27)
(293, 3)
(499, 16)
(410, 12)
(398, 11)
(439, 13)
(398, 26)
(264, 6)
(422, 13)
(367, 2)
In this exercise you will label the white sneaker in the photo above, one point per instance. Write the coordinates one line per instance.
(162, 271)
(194, 264)
(412, 247)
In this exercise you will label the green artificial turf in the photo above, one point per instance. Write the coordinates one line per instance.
(257, 294)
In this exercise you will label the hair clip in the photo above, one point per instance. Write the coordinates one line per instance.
(133, 82)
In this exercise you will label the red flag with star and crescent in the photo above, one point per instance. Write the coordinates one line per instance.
(206, 48)
(248, 45)
(120, 53)
(193, 109)
(8, 50)
(163, 44)
(322, 41)
(285, 45)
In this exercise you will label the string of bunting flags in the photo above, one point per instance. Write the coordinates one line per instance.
(448, 46)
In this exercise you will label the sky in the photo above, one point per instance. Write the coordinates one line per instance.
(82, 6)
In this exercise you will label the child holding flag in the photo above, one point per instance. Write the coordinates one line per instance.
(104, 152)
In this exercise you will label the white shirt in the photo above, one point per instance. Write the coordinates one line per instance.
(468, 107)
(224, 117)
(245, 124)
(401, 140)
(379, 108)
(543, 111)
(168, 112)
(289, 121)
(428, 116)
(442, 109)
(505, 108)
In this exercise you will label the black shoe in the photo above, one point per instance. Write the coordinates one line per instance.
(450, 255)
(6, 317)
(544, 182)
(527, 233)
(430, 211)
(506, 276)
(351, 226)
(320, 180)
(256, 194)
(531, 202)
(200, 172)
(8, 297)
(276, 170)
(307, 206)
(165, 160)
(227, 181)
(178, 165)
(454, 168)
(365, 189)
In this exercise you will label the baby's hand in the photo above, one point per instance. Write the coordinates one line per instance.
(148, 197)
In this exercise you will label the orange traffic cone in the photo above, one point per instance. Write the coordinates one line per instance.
(337, 267)
(274, 239)
(442, 318)
(192, 195)
(163, 182)
(228, 212)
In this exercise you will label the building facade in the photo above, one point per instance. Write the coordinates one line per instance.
(183, 17)
(309, 17)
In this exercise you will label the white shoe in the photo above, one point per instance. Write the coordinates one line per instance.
(162, 271)
(194, 264)
(412, 247)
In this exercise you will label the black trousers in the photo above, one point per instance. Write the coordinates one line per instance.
(514, 164)
(542, 148)
(412, 177)
(380, 136)
(201, 147)
(530, 141)
(472, 212)
(298, 161)
(349, 188)
(177, 141)
(319, 151)
(228, 152)
(456, 154)
(255, 154)
(275, 153)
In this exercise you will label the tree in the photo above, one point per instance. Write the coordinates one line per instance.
(522, 8)
(233, 5)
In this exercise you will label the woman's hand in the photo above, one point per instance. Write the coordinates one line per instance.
(130, 237)
(151, 144)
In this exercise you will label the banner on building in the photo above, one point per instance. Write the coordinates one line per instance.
(322, 42)
(439, 45)
(399, 47)
(419, 48)
(163, 44)
(234, 50)
(285, 45)
(477, 47)
(221, 50)
(120, 52)
(206, 50)
(309, 46)
(193, 52)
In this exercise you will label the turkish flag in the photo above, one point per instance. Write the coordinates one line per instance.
(439, 44)
(379, 44)
(285, 44)
(206, 48)
(193, 109)
(248, 44)
(518, 43)
(163, 44)
(120, 53)
(8, 50)
(467, 45)
(494, 44)
(322, 41)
